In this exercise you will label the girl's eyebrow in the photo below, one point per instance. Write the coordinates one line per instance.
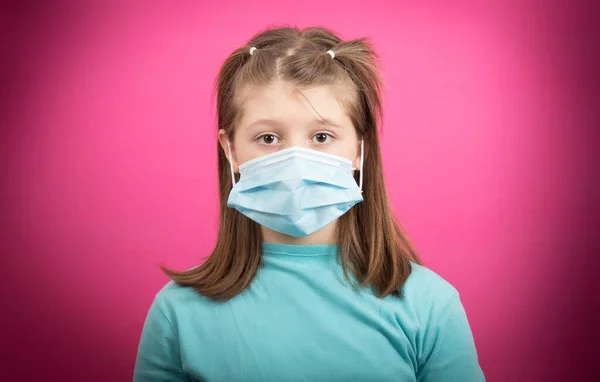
(266, 121)
(325, 121)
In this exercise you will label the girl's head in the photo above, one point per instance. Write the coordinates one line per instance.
(290, 87)
(303, 87)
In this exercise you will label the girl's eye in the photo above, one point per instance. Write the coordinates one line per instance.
(268, 139)
(321, 138)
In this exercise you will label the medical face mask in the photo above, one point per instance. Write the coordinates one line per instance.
(295, 191)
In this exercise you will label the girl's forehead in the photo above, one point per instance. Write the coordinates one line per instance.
(281, 100)
(282, 91)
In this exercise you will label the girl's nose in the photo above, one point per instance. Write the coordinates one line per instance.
(298, 140)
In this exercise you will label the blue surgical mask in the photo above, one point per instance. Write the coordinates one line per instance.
(295, 191)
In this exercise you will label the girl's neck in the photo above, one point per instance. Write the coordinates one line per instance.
(326, 235)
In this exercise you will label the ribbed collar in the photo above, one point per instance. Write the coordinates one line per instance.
(300, 250)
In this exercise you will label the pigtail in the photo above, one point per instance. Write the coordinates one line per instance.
(361, 63)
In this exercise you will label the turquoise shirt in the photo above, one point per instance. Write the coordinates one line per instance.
(299, 320)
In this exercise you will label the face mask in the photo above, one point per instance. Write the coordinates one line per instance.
(295, 191)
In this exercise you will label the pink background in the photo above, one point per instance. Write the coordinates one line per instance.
(109, 168)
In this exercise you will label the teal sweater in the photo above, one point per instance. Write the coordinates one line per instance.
(299, 320)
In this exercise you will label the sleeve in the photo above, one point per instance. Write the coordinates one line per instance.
(449, 352)
(158, 357)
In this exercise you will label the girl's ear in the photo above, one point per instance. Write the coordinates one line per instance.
(356, 163)
(226, 145)
(359, 156)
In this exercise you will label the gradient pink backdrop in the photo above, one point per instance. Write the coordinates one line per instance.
(109, 166)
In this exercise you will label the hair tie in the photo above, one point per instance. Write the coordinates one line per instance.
(252, 50)
(331, 53)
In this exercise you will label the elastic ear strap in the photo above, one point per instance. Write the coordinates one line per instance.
(362, 160)
(231, 164)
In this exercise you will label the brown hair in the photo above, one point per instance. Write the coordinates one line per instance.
(372, 245)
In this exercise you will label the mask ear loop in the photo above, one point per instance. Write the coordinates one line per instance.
(231, 164)
(362, 159)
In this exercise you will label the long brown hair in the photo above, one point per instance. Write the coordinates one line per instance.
(373, 247)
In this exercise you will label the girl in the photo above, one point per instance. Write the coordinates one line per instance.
(311, 278)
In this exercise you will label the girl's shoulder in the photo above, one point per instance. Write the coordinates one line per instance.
(173, 296)
(428, 287)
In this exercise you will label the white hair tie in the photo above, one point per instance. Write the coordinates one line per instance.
(331, 53)
(252, 50)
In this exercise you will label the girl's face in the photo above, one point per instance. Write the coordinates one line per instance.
(276, 117)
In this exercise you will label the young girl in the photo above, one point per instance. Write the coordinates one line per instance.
(311, 279)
